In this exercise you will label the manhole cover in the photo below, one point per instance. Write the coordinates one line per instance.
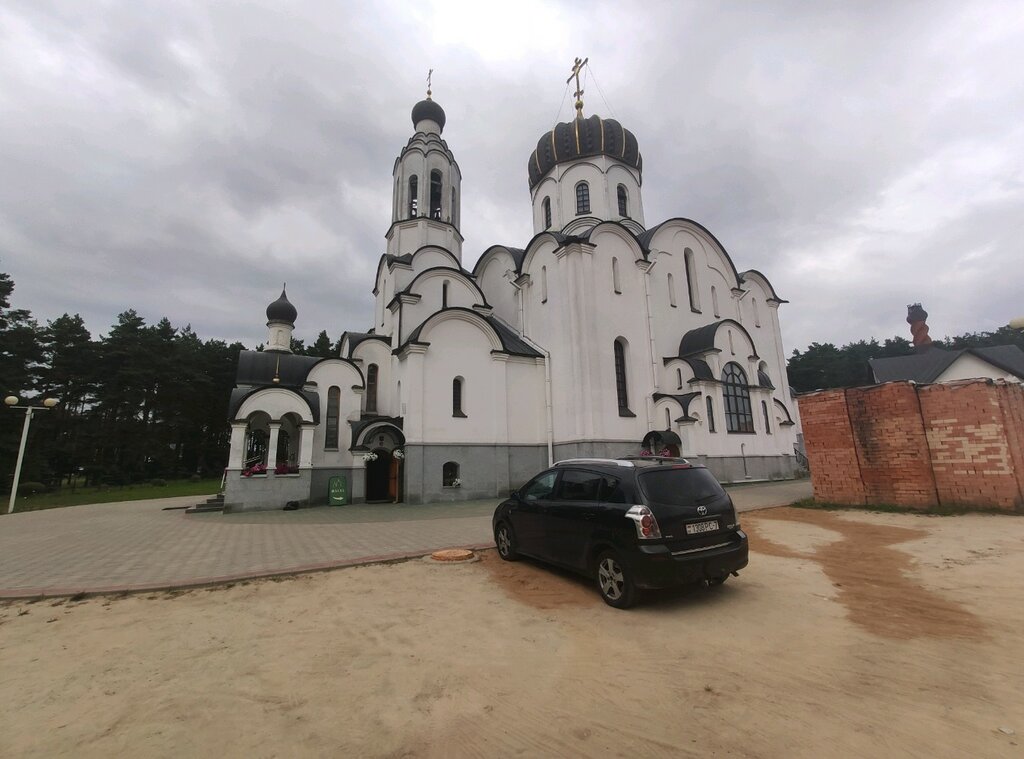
(452, 554)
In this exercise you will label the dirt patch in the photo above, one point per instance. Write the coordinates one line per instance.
(873, 580)
(539, 587)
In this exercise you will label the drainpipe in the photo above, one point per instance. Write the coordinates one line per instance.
(743, 455)
(548, 413)
(650, 343)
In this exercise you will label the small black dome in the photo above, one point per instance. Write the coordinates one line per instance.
(281, 310)
(428, 109)
(580, 138)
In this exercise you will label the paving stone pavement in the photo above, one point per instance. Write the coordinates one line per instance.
(144, 545)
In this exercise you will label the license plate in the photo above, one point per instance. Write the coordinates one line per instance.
(696, 529)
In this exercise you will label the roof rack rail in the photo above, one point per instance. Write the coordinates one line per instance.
(674, 459)
(595, 460)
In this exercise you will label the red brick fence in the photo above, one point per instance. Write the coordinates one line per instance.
(957, 444)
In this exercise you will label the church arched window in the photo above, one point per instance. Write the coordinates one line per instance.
(454, 215)
(623, 199)
(668, 420)
(435, 194)
(711, 414)
(333, 409)
(371, 389)
(450, 474)
(444, 294)
(691, 281)
(547, 213)
(714, 301)
(621, 390)
(582, 198)
(457, 398)
(757, 316)
(543, 284)
(671, 291)
(767, 423)
(413, 200)
(738, 414)
(679, 378)
(615, 276)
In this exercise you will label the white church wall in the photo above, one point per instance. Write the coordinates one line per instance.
(459, 348)
(375, 352)
(500, 293)
(525, 401)
(618, 174)
(430, 286)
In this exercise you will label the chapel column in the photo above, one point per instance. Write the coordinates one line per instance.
(275, 428)
(305, 457)
(237, 455)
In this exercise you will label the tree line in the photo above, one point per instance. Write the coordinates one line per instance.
(823, 365)
(143, 402)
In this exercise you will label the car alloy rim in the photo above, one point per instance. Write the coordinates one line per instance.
(503, 542)
(610, 576)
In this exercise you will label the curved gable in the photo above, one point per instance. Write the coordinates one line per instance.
(659, 232)
(444, 272)
(753, 275)
(702, 340)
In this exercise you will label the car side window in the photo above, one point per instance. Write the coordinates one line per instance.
(540, 487)
(612, 491)
(577, 485)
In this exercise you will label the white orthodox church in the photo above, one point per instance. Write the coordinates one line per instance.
(602, 336)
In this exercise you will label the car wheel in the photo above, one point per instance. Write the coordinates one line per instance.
(505, 539)
(615, 581)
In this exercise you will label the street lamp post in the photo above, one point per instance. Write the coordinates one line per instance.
(12, 401)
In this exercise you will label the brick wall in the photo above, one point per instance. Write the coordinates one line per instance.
(951, 444)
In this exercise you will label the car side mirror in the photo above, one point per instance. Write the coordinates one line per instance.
(514, 494)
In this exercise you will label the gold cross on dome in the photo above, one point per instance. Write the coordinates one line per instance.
(577, 66)
(429, 74)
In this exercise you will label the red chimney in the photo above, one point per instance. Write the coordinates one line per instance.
(916, 317)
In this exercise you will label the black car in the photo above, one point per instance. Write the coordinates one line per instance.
(632, 523)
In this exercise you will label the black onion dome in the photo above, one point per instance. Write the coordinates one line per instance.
(580, 138)
(428, 109)
(281, 310)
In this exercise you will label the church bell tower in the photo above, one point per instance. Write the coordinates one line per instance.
(427, 191)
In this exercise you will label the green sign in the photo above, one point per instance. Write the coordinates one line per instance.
(337, 491)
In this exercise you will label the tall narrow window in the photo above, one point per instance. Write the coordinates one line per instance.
(732, 350)
(582, 198)
(767, 423)
(547, 213)
(444, 294)
(413, 199)
(621, 390)
(615, 275)
(671, 291)
(333, 408)
(457, 398)
(371, 389)
(738, 414)
(714, 301)
(691, 281)
(454, 215)
(435, 194)
(757, 316)
(679, 378)
(623, 200)
(668, 420)
(711, 414)
(543, 284)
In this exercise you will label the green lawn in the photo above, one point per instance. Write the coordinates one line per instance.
(109, 494)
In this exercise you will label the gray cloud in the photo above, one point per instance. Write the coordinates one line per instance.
(186, 158)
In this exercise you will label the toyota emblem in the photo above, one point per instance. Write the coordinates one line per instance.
(702, 510)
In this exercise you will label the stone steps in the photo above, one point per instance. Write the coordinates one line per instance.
(214, 503)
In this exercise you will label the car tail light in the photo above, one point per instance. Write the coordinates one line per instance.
(645, 523)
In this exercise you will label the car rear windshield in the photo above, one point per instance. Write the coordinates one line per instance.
(680, 487)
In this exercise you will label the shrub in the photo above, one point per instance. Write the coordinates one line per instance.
(31, 488)
(158, 483)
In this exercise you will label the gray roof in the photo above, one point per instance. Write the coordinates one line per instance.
(928, 365)
(511, 343)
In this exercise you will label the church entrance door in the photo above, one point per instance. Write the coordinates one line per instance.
(378, 476)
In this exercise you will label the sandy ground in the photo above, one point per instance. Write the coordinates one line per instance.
(850, 634)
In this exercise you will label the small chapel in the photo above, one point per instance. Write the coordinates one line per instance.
(602, 335)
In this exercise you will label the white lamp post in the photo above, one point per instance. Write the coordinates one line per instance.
(12, 401)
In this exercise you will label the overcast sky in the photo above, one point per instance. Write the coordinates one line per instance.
(186, 158)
